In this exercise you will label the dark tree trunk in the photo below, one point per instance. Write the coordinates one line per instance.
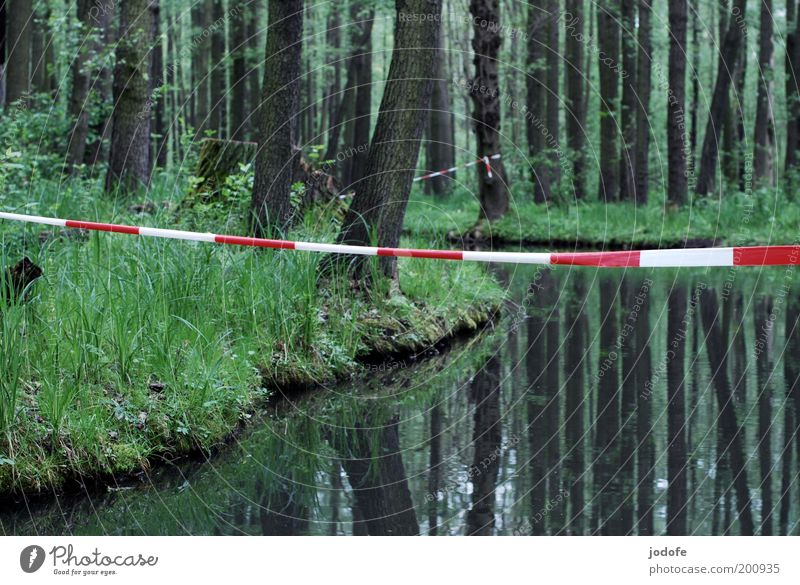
(201, 18)
(730, 54)
(333, 40)
(277, 114)
(18, 43)
(677, 492)
(102, 20)
(608, 58)
(440, 151)
(238, 52)
(791, 374)
(3, 23)
(730, 433)
(553, 58)
(628, 105)
(158, 83)
(574, 93)
(363, 105)
(764, 349)
(486, 41)
(629, 299)
(129, 159)
(81, 77)
(677, 184)
(217, 117)
(764, 142)
(382, 198)
(487, 439)
(253, 67)
(696, 48)
(644, 67)
(792, 76)
(575, 357)
(537, 99)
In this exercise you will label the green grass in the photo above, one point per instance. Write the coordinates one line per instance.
(129, 348)
(764, 217)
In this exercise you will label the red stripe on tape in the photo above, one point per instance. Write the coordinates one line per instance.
(607, 259)
(255, 242)
(408, 253)
(103, 227)
(766, 255)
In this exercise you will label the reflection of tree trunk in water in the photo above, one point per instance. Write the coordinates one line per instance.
(434, 471)
(643, 371)
(731, 435)
(764, 342)
(336, 493)
(791, 374)
(692, 416)
(280, 515)
(627, 470)
(379, 482)
(738, 351)
(551, 413)
(486, 438)
(606, 453)
(574, 355)
(676, 412)
(534, 367)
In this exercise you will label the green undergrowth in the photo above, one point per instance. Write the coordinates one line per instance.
(760, 218)
(129, 348)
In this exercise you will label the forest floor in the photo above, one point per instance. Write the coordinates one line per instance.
(129, 349)
(761, 218)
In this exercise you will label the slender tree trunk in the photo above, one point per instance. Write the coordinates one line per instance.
(486, 41)
(102, 20)
(363, 105)
(382, 199)
(628, 105)
(764, 142)
(575, 95)
(238, 52)
(334, 76)
(3, 23)
(729, 57)
(201, 16)
(792, 76)
(440, 152)
(553, 57)
(160, 141)
(217, 116)
(129, 159)
(677, 184)
(279, 107)
(537, 99)
(677, 491)
(696, 48)
(78, 106)
(254, 52)
(608, 60)
(644, 67)
(18, 39)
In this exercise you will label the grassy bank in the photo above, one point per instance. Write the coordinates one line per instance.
(130, 348)
(761, 218)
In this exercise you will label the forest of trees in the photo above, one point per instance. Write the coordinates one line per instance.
(619, 100)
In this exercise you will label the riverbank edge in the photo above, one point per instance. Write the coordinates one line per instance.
(380, 351)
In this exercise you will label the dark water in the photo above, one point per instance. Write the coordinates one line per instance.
(604, 402)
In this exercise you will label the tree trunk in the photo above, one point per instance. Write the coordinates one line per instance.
(381, 201)
(574, 93)
(731, 435)
(764, 143)
(217, 117)
(696, 49)
(537, 99)
(254, 67)
(102, 20)
(677, 184)
(440, 152)
(238, 51)
(157, 83)
(129, 159)
(608, 60)
(677, 491)
(279, 108)
(729, 57)
(644, 67)
(81, 78)
(628, 109)
(363, 105)
(792, 76)
(643, 371)
(201, 15)
(18, 64)
(333, 38)
(486, 43)
(3, 22)
(553, 59)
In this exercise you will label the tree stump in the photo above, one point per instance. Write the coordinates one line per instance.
(17, 279)
(218, 160)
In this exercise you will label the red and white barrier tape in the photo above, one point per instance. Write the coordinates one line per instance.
(741, 256)
(485, 160)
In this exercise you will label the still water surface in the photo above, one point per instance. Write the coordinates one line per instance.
(610, 402)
